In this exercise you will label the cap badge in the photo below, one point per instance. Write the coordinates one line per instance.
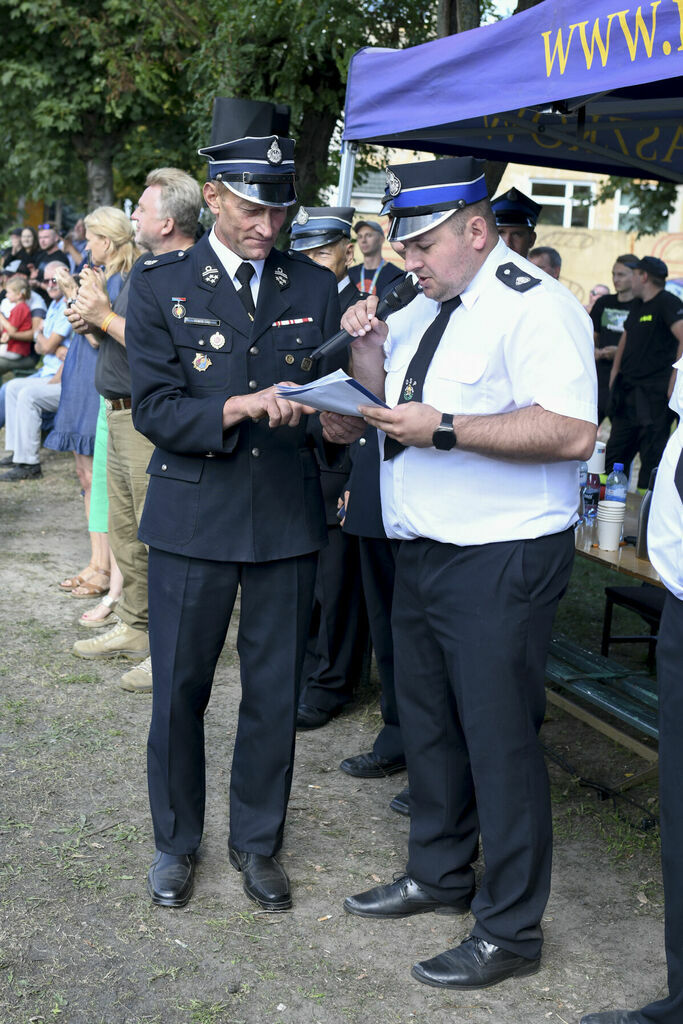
(217, 340)
(393, 183)
(210, 275)
(177, 308)
(281, 277)
(409, 389)
(274, 153)
(201, 362)
(302, 217)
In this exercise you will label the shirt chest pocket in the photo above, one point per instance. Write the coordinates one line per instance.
(204, 354)
(458, 383)
(294, 345)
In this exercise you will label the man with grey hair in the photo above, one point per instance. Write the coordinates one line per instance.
(165, 218)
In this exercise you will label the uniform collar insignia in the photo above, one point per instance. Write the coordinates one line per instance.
(281, 277)
(211, 275)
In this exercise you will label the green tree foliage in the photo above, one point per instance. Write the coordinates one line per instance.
(650, 202)
(86, 84)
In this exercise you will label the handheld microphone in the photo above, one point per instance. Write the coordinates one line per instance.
(404, 292)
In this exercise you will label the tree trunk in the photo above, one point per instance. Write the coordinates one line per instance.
(312, 155)
(100, 175)
(458, 16)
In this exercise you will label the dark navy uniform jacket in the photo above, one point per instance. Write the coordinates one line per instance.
(248, 494)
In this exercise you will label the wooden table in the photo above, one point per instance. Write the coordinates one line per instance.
(624, 560)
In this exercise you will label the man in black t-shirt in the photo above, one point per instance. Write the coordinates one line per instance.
(642, 378)
(609, 314)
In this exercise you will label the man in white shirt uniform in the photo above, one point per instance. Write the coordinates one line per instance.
(665, 548)
(491, 376)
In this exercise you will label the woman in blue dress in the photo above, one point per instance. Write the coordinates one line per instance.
(110, 238)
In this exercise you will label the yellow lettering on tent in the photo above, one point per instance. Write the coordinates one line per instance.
(596, 40)
(677, 143)
(559, 51)
(644, 142)
(679, 5)
(640, 30)
(620, 137)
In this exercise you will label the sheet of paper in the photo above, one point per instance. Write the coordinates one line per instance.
(337, 392)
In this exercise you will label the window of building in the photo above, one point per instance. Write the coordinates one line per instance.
(565, 203)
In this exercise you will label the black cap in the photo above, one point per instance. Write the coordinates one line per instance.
(259, 169)
(514, 209)
(373, 224)
(425, 194)
(320, 225)
(653, 265)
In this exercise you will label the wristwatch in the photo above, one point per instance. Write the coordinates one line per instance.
(444, 437)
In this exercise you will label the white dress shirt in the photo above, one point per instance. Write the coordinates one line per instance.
(231, 263)
(502, 350)
(665, 525)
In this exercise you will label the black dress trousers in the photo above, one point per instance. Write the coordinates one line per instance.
(191, 601)
(471, 628)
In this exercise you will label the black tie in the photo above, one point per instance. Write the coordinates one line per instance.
(244, 274)
(411, 389)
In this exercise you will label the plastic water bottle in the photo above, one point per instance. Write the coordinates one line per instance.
(617, 484)
(583, 477)
(591, 495)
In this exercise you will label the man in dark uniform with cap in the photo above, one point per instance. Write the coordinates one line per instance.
(478, 483)
(375, 274)
(234, 500)
(335, 653)
(516, 217)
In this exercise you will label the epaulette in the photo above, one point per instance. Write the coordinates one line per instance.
(163, 259)
(515, 278)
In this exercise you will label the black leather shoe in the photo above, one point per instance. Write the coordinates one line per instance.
(265, 880)
(22, 471)
(401, 898)
(8, 460)
(170, 879)
(611, 1017)
(372, 766)
(401, 802)
(310, 717)
(475, 963)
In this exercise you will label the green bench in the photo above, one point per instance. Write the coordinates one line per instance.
(591, 679)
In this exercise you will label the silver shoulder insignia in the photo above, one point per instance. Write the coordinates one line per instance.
(511, 276)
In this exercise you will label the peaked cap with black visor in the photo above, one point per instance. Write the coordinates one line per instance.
(321, 225)
(421, 196)
(258, 169)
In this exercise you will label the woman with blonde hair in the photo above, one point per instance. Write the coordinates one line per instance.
(81, 425)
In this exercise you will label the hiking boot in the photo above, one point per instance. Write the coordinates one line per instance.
(22, 471)
(122, 639)
(138, 679)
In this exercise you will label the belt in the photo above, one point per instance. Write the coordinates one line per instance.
(118, 403)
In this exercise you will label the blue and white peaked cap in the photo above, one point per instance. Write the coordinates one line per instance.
(321, 225)
(259, 169)
(424, 195)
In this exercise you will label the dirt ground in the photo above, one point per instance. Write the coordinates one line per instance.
(80, 941)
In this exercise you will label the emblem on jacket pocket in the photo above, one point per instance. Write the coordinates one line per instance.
(217, 340)
(201, 362)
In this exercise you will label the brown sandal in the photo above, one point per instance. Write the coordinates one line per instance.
(78, 578)
(87, 589)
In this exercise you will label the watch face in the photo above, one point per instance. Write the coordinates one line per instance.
(443, 438)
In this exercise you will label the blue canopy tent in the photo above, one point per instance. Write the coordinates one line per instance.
(591, 86)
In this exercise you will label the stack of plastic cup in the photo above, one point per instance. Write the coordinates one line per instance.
(610, 521)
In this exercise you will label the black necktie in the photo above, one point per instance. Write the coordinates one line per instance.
(244, 274)
(411, 389)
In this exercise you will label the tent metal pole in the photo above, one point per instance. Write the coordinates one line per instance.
(348, 163)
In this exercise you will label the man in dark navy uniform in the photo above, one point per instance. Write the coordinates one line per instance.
(338, 641)
(234, 500)
(516, 217)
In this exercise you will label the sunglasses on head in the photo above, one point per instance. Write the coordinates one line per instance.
(44, 227)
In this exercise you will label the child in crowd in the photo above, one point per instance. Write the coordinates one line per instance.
(16, 319)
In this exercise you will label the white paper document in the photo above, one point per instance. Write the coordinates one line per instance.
(337, 392)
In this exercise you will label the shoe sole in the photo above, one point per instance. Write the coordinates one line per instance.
(375, 773)
(167, 901)
(442, 910)
(96, 656)
(518, 972)
(132, 688)
(275, 908)
(400, 808)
